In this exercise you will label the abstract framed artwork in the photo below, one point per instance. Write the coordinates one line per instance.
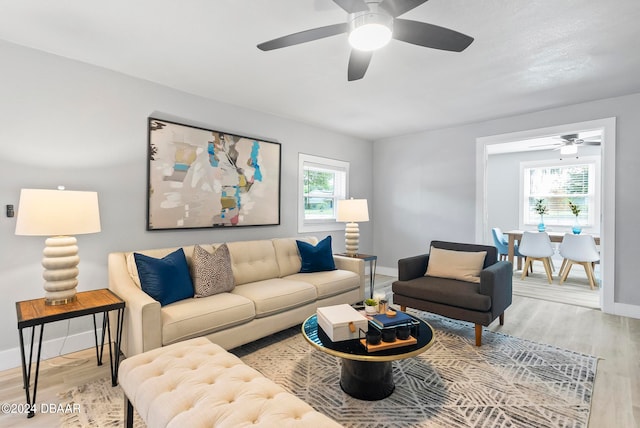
(202, 178)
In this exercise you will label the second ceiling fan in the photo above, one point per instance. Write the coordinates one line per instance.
(569, 140)
(381, 19)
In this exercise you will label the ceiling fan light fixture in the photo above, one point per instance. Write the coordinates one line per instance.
(569, 149)
(370, 31)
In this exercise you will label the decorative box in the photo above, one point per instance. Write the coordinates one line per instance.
(341, 322)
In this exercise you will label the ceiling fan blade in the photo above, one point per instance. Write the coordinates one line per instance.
(352, 6)
(304, 36)
(398, 7)
(358, 64)
(547, 145)
(429, 35)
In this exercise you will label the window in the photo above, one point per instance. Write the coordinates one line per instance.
(323, 182)
(557, 183)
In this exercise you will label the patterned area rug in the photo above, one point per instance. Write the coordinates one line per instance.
(508, 382)
(101, 406)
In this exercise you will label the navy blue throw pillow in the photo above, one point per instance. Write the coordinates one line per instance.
(316, 258)
(167, 280)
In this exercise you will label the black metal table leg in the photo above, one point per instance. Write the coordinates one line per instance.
(373, 264)
(114, 353)
(117, 344)
(95, 336)
(26, 372)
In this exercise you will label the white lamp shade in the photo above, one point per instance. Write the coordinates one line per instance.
(44, 212)
(352, 210)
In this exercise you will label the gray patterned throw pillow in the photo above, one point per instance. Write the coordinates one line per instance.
(211, 273)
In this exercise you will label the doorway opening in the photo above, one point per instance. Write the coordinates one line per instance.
(550, 143)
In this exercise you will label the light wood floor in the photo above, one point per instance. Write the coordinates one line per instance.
(616, 340)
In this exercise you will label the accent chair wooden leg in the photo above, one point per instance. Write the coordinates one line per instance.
(502, 318)
(478, 335)
(128, 412)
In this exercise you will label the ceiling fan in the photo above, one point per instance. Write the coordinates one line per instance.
(569, 143)
(574, 140)
(371, 24)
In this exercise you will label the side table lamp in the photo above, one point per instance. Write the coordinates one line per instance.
(58, 214)
(352, 211)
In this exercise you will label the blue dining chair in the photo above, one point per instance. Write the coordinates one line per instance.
(502, 244)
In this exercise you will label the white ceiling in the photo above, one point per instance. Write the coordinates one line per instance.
(527, 55)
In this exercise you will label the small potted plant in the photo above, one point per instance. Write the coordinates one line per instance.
(541, 209)
(371, 306)
(575, 210)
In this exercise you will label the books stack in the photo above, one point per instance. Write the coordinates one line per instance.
(382, 321)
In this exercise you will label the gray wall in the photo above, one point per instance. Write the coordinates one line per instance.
(503, 185)
(425, 184)
(65, 122)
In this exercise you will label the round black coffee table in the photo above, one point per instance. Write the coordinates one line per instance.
(366, 375)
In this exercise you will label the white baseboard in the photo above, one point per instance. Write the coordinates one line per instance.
(626, 310)
(382, 270)
(10, 358)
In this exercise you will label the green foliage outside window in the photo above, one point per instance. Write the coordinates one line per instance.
(319, 193)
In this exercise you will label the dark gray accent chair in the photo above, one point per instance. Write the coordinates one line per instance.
(479, 303)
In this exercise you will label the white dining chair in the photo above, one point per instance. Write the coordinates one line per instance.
(536, 246)
(578, 249)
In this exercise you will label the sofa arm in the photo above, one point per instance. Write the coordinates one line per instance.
(496, 282)
(412, 267)
(142, 327)
(354, 265)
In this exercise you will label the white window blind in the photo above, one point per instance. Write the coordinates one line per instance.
(556, 185)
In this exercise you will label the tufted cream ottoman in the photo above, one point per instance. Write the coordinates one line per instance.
(196, 383)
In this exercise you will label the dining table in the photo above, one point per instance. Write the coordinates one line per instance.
(516, 236)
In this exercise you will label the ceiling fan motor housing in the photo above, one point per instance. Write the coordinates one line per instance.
(370, 30)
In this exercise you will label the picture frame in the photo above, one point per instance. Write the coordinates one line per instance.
(204, 178)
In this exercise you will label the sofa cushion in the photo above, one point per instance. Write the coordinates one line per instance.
(167, 280)
(288, 255)
(329, 283)
(157, 253)
(199, 317)
(316, 258)
(211, 273)
(253, 261)
(462, 265)
(446, 291)
(276, 295)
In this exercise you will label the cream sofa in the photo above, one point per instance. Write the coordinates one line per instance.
(269, 295)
